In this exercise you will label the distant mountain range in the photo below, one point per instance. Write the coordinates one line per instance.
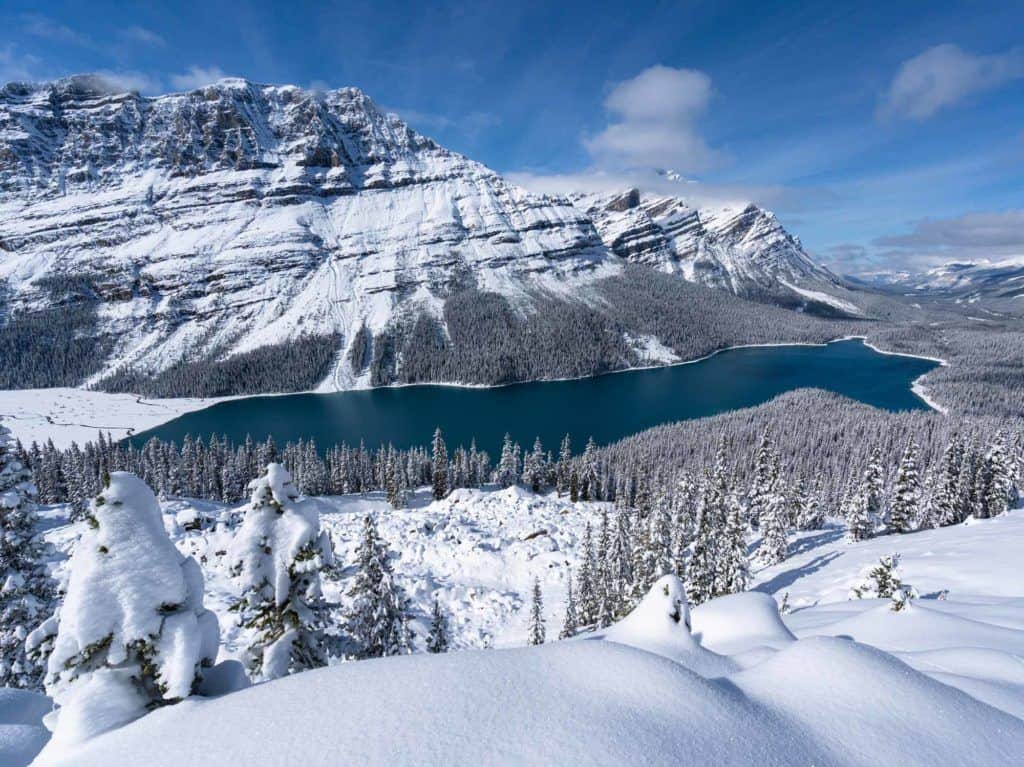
(970, 280)
(212, 224)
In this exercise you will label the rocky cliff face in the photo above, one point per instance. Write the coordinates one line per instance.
(743, 249)
(210, 224)
(241, 214)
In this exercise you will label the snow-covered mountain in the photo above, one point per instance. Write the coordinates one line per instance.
(741, 248)
(982, 279)
(239, 216)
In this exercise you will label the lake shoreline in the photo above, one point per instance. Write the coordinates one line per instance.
(67, 414)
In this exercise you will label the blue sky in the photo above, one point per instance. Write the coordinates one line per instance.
(888, 135)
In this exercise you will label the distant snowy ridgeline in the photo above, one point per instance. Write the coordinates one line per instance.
(730, 682)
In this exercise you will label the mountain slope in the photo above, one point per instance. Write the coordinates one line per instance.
(243, 238)
(968, 280)
(740, 248)
(241, 214)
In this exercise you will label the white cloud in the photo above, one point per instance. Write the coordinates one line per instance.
(944, 75)
(130, 80)
(143, 36)
(653, 124)
(196, 77)
(990, 236)
(15, 68)
(41, 26)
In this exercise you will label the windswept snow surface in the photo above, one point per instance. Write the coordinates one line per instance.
(835, 682)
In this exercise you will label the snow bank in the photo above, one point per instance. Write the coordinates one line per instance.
(581, 702)
(22, 734)
(739, 623)
(865, 707)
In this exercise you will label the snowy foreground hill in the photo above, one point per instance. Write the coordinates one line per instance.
(833, 682)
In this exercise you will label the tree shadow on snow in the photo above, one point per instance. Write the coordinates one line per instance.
(787, 578)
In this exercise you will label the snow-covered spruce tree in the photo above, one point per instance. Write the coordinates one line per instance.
(605, 596)
(864, 504)
(534, 467)
(438, 640)
(378, 621)
(809, 513)
(945, 500)
(995, 480)
(618, 571)
(702, 566)
(439, 464)
(774, 546)
(132, 633)
(27, 593)
(586, 579)
(765, 478)
(276, 559)
(507, 473)
(880, 581)
(733, 564)
(570, 625)
(906, 493)
(564, 467)
(536, 634)
(589, 484)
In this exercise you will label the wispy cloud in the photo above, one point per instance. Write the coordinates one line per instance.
(45, 27)
(990, 236)
(654, 122)
(15, 67)
(196, 77)
(471, 124)
(144, 36)
(130, 80)
(943, 76)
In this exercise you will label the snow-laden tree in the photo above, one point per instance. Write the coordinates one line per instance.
(507, 473)
(276, 559)
(586, 579)
(535, 467)
(733, 563)
(702, 566)
(774, 546)
(570, 625)
(564, 467)
(132, 633)
(439, 639)
(906, 492)
(378, 620)
(605, 595)
(439, 463)
(536, 632)
(807, 507)
(589, 485)
(27, 592)
(880, 581)
(765, 477)
(863, 504)
(995, 480)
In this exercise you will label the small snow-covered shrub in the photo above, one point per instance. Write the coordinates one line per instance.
(132, 633)
(276, 557)
(882, 581)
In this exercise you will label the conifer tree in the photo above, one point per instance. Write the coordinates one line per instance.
(536, 632)
(439, 462)
(586, 577)
(534, 467)
(906, 501)
(378, 621)
(733, 565)
(276, 559)
(508, 464)
(570, 624)
(762, 488)
(995, 480)
(774, 546)
(946, 498)
(438, 639)
(132, 633)
(27, 593)
(564, 467)
(702, 566)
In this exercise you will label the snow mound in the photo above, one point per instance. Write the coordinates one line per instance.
(868, 708)
(582, 702)
(661, 624)
(739, 623)
(22, 734)
(918, 628)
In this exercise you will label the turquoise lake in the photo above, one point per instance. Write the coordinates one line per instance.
(606, 407)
